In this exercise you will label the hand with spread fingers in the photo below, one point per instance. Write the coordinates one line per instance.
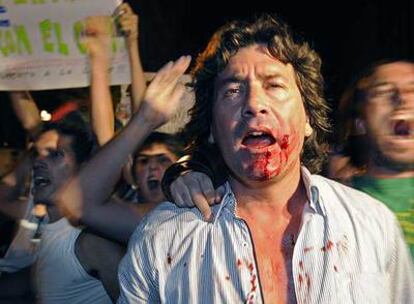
(163, 95)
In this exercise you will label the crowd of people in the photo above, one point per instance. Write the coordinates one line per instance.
(233, 208)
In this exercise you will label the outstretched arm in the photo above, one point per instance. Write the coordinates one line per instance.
(85, 198)
(98, 41)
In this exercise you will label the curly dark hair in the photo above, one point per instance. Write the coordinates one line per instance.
(270, 31)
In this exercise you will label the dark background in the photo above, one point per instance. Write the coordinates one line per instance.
(347, 34)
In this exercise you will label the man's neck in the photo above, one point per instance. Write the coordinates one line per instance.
(275, 194)
(53, 214)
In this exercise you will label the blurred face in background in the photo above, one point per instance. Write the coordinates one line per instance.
(150, 165)
(54, 164)
(388, 116)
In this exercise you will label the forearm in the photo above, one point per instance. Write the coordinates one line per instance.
(26, 111)
(138, 83)
(102, 115)
(14, 209)
(124, 219)
(12, 187)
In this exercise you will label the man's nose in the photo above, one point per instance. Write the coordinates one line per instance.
(256, 103)
(403, 98)
(153, 164)
(39, 163)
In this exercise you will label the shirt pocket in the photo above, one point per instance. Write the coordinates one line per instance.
(362, 288)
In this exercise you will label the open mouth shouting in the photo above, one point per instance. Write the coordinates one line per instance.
(41, 177)
(258, 140)
(153, 183)
(403, 129)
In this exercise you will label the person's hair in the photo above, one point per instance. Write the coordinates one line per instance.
(271, 32)
(172, 142)
(83, 141)
(351, 107)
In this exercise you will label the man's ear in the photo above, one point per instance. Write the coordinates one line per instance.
(308, 128)
(359, 126)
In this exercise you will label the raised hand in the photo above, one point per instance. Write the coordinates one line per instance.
(128, 22)
(97, 35)
(163, 95)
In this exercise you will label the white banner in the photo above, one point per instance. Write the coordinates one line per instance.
(40, 45)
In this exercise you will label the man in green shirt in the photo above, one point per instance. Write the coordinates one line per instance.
(378, 126)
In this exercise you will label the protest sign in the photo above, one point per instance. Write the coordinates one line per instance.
(41, 44)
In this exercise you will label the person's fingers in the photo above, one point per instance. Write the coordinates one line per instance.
(207, 187)
(125, 7)
(177, 199)
(180, 194)
(201, 203)
(176, 70)
(220, 191)
(176, 96)
(159, 76)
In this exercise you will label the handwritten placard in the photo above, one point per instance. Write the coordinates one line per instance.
(41, 46)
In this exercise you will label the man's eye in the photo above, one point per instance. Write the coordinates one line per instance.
(56, 154)
(164, 160)
(274, 85)
(231, 92)
(142, 161)
(383, 93)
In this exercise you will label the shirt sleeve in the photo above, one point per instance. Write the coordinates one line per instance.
(136, 274)
(401, 270)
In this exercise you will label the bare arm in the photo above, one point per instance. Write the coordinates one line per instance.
(26, 111)
(11, 187)
(98, 41)
(85, 197)
(100, 258)
(129, 25)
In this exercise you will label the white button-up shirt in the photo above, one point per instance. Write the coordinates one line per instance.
(349, 250)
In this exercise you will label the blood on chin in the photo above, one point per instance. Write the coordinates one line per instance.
(265, 166)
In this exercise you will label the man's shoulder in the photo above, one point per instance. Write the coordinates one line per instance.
(356, 202)
(165, 219)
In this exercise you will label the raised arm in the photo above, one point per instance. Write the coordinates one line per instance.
(26, 111)
(98, 42)
(129, 25)
(85, 198)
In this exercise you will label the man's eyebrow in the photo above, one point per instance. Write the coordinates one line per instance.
(272, 75)
(151, 155)
(381, 84)
(230, 79)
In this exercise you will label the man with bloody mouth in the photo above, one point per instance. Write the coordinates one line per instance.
(280, 234)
